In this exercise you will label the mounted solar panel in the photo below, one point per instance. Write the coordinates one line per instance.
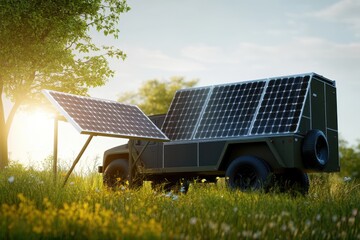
(104, 117)
(230, 110)
(281, 106)
(184, 112)
(259, 107)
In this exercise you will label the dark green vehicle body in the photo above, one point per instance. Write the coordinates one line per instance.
(210, 158)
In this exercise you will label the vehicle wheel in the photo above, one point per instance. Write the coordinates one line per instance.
(247, 173)
(315, 150)
(116, 173)
(292, 181)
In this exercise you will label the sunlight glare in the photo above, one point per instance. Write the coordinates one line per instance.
(37, 133)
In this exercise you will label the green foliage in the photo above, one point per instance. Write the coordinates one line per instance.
(154, 96)
(46, 45)
(32, 205)
(350, 160)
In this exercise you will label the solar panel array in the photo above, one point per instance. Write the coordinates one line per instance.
(269, 106)
(104, 117)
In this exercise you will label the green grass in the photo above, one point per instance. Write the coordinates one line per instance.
(32, 206)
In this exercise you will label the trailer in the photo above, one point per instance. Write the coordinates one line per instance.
(258, 134)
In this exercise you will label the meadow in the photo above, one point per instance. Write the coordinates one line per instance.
(33, 206)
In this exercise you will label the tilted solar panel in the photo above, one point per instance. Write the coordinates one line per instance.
(104, 117)
(230, 110)
(268, 106)
(281, 106)
(184, 113)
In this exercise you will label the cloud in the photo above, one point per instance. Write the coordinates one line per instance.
(303, 54)
(156, 59)
(344, 11)
(206, 54)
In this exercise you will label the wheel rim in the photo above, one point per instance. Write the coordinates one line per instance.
(321, 150)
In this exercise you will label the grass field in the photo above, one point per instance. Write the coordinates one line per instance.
(33, 207)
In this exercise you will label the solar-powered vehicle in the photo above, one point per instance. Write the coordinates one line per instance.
(256, 134)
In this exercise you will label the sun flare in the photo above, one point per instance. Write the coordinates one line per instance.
(39, 121)
(38, 131)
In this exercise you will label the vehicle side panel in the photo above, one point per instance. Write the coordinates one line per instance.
(181, 155)
(211, 152)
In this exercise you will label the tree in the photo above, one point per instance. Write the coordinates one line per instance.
(350, 160)
(47, 45)
(154, 96)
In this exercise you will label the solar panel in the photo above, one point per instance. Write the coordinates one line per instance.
(281, 106)
(104, 117)
(230, 110)
(184, 112)
(268, 106)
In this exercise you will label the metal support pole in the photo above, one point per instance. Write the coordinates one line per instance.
(55, 154)
(130, 144)
(77, 158)
(141, 152)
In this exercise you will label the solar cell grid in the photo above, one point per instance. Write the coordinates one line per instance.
(103, 117)
(281, 106)
(230, 110)
(184, 113)
(270, 106)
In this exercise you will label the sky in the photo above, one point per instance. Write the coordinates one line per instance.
(215, 42)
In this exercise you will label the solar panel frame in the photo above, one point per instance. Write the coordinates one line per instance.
(103, 117)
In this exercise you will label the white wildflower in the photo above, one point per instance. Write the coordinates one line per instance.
(213, 225)
(193, 220)
(175, 197)
(285, 214)
(347, 179)
(354, 212)
(272, 225)
(257, 235)
(225, 227)
(246, 233)
(11, 179)
(351, 221)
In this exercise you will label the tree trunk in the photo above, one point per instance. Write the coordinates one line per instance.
(4, 158)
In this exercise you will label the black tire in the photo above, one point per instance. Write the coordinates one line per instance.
(247, 173)
(116, 173)
(292, 181)
(315, 150)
